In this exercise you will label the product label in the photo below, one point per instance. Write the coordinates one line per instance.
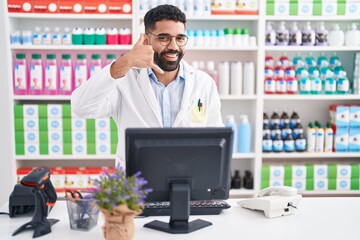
(270, 86)
(35, 77)
(289, 145)
(300, 144)
(50, 77)
(281, 86)
(292, 86)
(66, 38)
(330, 85)
(20, 77)
(316, 85)
(267, 145)
(80, 75)
(65, 78)
(278, 145)
(305, 85)
(343, 85)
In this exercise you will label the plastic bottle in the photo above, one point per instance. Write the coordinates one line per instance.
(308, 35)
(311, 137)
(270, 35)
(330, 83)
(26, 37)
(230, 123)
(248, 180)
(237, 37)
(284, 118)
(289, 143)
(300, 143)
(236, 180)
(321, 38)
(282, 35)
(329, 138)
(89, 36)
(37, 36)
(294, 119)
(266, 129)
(279, 70)
(278, 144)
(334, 61)
(275, 118)
(15, 37)
(269, 85)
(224, 78)
(285, 130)
(207, 38)
(244, 37)
(291, 85)
(310, 61)
(66, 75)
(20, 75)
(228, 36)
(267, 143)
(124, 36)
(110, 58)
(210, 69)
(269, 71)
(249, 78)
(275, 129)
(95, 64)
(51, 75)
(244, 135)
(316, 83)
(112, 36)
(295, 35)
(319, 146)
(36, 75)
(336, 36)
(343, 84)
(266, 118)
(56, 36)
(66, 36)
(297, 130)
(269, 61)
(280, 85)
(47, 36)
(236, 78)
(221, 41)
(100, 36)
(77, 36)
(80, 70)
(352, 36)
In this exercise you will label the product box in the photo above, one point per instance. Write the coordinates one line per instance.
(56, 149)
(30, 137)
(352, 8)
(55, 124)
(247, 7)
(58, 178)
(78, 137)
(102, 124)
(354, 118)
(299, 184)
(54, 111)
(20, 6)
(78, 124)
(31, 124)
(340, 116)
(276, 182)
(32, 149)
(305, 8)
(30, 111)
(330, 8)
(320, 184)
(45, 6)
(70, 6)
(55, 136)
(93, 173)
(79, 148)
(298, 172)
(120, 6)
(277, 172)
(95, 6)
(103, 148)
(354, 140)
(76, 178)
(320, 171)
(343, 184)
(281, 7)
(341, 140)
(223, 7)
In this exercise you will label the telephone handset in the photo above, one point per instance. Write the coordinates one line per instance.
(279, 191)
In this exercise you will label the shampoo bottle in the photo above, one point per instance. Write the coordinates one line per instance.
(230, 123)
(270, 35)
(282, 35)
(36, 75)
(308, 35)
(336, 36)
(352, 36)
(295, 35)
(311, 137)
(244, 135)
(321, 35)
(20, 75)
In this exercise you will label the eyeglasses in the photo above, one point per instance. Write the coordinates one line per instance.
(165, 39)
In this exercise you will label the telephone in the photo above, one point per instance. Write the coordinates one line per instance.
(274, 201)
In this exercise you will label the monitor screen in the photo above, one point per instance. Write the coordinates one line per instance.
(181, 164)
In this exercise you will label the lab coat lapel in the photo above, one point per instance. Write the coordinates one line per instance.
(147, 91)
(187, 95)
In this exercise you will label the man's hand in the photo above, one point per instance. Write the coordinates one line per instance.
(140, 56)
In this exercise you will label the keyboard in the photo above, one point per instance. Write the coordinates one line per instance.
(204, 207)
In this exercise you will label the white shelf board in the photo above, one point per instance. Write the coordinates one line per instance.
(236, 193)
(210, 48)
(283, 155)
(312, 18)
(238, 97)
(69, 16)
(310, 48)
(216, 17)
(42, 97)
(71, 47)
(329, 193)
(306, 97)
(65, 157)
(243, 155)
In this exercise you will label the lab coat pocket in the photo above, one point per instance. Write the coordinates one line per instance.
(198, 115)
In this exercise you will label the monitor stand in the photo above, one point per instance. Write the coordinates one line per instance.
(179, 212)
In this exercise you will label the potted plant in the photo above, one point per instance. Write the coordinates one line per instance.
(120, 199)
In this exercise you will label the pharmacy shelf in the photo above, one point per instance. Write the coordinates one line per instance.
(311, 49)
(64, 157)
(71, 47)
(222, 48)
(305, 155)
(237, 97)
(42, 97)
(312, 18)
(224, 18)
(309, 97)
(242, 192)
(243, 155)
(329, 193)
(70, 16)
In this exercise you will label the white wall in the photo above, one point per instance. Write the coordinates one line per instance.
(7, 166)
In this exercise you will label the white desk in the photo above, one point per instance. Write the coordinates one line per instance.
(316, 218)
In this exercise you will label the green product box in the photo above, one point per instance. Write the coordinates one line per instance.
(42, 111)
(19, 124)
(332, 171)
(66, 111)
(19, 137)
(309, 184)
(18, 111)
(332, 184)
(354, 184)
(91, 148)
(288, 182)
(113, 148)
(310, 171)
(265, 184)
(355, 171)
(19, 149)
(265, 173)
(66, 124)
(287, 172)
(67, 148)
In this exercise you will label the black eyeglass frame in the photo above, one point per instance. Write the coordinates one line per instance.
(169, 41)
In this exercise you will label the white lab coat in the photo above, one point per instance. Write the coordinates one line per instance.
(131, 102)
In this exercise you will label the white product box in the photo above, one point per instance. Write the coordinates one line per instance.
(79, 148)
(281, 7)
(55, 124)
(103, 148)
(32, 149)
(276, 182)
(58, 180)
(55, 136)
(31, 111)
(78, 137)
(352, 8)
(340, 116)
(320, 171)
(276, 172)
(103, 137)
(31, 136)
(354, 141)
(299, 184)
(54, 111)
(31, 124)
(343, 184)
(329, 8)
(305, 8)
(320, 184)
(298, 172)
(78, 124)
(343, 171)
(341, 141)
(354, 117)
(56, 148)
(102, 124)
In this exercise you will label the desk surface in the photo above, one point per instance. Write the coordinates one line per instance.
(316, 218)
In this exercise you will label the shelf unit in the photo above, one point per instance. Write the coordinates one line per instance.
(310, 107)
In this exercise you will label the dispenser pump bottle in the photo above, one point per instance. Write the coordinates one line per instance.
(282, 35)
(308, 35)
(321, 38)
(352, 36)
(336, 36)
(270, 35)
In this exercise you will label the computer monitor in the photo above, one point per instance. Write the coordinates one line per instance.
(180, 165)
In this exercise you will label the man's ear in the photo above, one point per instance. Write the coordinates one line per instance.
(146, 40)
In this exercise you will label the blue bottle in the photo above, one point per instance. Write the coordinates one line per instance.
(230, 123)
(244, 135)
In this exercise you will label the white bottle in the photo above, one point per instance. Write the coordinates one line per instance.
(230, 123)
(236, 78)
(224, 78)
(336, 36)
(294, 35)
(329, 138)
(37, 36)
(46, 37)
(319, 145)
(270, 35)
(321, 38)
(210, 69)
(282, 35)
(311, 138)
(66, 36)
(352, 36)
(249, 78)
(308, 35)
(57, 36)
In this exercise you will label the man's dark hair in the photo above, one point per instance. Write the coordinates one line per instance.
(163, 12)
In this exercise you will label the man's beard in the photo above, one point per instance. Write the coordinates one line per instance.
(166, 65)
